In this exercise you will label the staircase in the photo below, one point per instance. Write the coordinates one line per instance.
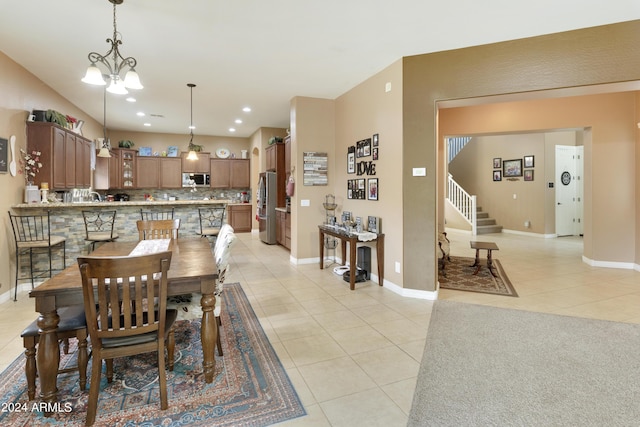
(485, 224)
(464, 202)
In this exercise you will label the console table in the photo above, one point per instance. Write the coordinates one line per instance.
(488, 246)
(353, 240)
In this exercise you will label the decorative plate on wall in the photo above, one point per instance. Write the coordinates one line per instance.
(223, 153)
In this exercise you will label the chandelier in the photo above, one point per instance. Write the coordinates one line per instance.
(114, 62)
(192, 147)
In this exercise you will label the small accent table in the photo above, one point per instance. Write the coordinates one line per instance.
(488, 246)
(352, 239)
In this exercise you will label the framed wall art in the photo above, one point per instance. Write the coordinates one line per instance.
(351, 162)
(372, 189)
(497, 175)
(497, 163)
(4, 155)
(375, 140)
(374, 153)
(528, 175)
(512, 168)
(528, 161)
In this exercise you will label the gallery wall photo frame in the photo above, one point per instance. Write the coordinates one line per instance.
(372, 189)
(4, 155)
(511, 168)
(351, 162)
(528, 161)
(528, 175)
(376, 139)
(497, 162)
(497, 175)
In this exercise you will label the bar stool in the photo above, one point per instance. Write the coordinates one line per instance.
(73, 324)
(156, 214)
(32, 233)
(99, 227)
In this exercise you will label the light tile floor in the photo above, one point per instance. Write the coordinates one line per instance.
(354, 356)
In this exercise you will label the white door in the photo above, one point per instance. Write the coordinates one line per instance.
(566, 190)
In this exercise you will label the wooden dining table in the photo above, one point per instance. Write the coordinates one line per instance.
(193, 269)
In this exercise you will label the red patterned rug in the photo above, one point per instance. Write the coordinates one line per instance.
(251, 388)
(458, 275)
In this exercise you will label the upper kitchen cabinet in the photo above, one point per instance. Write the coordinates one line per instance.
(159, 172)
(65, 156)
(274, 156)
(202, 165)
(230, 173)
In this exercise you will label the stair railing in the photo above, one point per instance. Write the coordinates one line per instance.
(463, 202)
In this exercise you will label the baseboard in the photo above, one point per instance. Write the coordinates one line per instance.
(529, 234)
(611, 264)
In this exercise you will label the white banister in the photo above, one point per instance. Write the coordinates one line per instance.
(463, 202)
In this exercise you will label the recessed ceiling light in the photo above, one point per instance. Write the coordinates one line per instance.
(232, 129)
(140, 114)
(238, 121)
(131, 99)
(147, 124)
(246, 109)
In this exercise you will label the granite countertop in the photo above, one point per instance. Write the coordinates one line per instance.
(161, 202)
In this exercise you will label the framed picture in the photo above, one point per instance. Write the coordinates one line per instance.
(4, 155)
(372, 186)
(366, 147)
(512, 168)
(172, 151)
(497, 175)
(528, 161)
(144, 151)
(374, 153)
(351, 162)
(497, 163)
(528, 175)
(375, 140)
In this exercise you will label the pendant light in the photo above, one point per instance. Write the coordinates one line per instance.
(104, 150)
(192, 147)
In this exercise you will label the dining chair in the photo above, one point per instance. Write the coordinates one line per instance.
(32, 233)
(211, 220)
(73, 324)
(225, 241)
(120, 320)
(99, 227)
(146, 215)
(158, 229)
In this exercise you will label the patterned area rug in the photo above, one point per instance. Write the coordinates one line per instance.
(459, 277)
(251, 388)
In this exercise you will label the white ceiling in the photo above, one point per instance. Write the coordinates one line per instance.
(257, 53)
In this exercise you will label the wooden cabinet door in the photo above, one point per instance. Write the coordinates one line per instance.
(220, 173)
(57, 159)
(202, 165)
(287, 230)
(114, 170)
(147, 171)
(70, 160)
(271, 157)
(170, 172)
(83, 162)
(240, 218)
(279, 228)
(239, 170)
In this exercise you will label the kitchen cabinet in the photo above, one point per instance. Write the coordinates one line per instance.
(202, 165)
(239, 173)
(116, 171)
(65, 156)
(239, 217)
(274, 156)
(159, 172)
(230, 173)
(283, 228)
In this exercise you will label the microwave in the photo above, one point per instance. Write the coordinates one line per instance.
(200, 179)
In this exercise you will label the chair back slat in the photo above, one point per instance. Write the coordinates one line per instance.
(99, 222)
(126, 288)
(31, 228)
(156, 214)
(158, 229)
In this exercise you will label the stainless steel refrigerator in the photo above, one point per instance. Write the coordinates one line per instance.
(266, 208)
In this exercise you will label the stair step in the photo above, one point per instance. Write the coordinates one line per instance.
(482, 215)
(487, 229)
(486, 221)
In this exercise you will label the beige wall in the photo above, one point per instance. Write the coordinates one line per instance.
(612, 141)
(21, 94)
(365, 110)
(161, 141)
(577, 58)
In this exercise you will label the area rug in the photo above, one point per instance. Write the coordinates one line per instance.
(487, 366)
(459, 277)
(251, 388)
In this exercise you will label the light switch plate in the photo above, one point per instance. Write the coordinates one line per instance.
(419, 171)
(304, 202)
